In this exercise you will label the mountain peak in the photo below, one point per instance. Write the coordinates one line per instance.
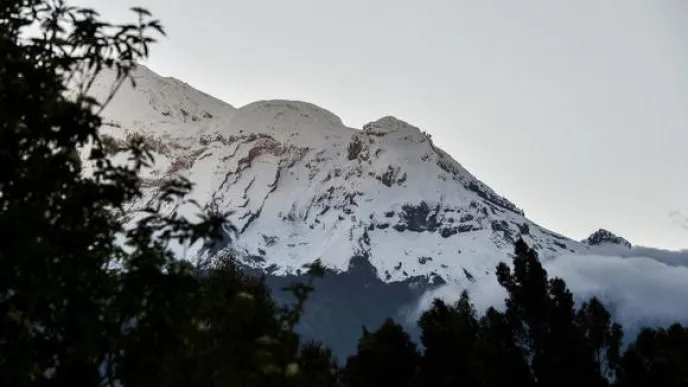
(390, 124)
(158, 99)
(299, 112)
(603, 236)
(303, 186)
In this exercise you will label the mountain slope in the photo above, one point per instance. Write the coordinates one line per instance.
(304, 186)
(395, 219)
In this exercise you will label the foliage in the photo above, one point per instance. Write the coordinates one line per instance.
(449, 335)
(658, 357)
(385, 357)
(88, 298)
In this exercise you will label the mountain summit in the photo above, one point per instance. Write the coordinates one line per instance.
(304, 186)
(602, 237)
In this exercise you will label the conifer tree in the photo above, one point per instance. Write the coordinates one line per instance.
(542, 313)
(657, 357)
(500, 360)
(601, 335)
(449, 335)
(386, 357)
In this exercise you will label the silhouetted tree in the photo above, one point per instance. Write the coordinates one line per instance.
(318, 366)
(657, 357)
(543, 315)
(500, 360)
(71, 298)
(601, 335)
(386, 357)
(527, 301)
(449, 335)
(88, 298)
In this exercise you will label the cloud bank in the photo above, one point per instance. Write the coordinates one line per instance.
(638, 291)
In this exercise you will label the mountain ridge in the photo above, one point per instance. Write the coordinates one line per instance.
(394, 218)
(304, 186)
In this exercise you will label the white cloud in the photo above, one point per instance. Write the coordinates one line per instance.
(638, 291)
(672, 258)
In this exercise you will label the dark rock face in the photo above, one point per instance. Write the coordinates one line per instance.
(354, 149)
(446, 232)
(499, 226)
(482, 191)
(602, 236)
(392, 176)
(344, 302)
(419, 218)
(465, 228)
(468, 275)
(424, 260)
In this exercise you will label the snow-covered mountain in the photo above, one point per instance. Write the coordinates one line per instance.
(304, 186)
(394, 218)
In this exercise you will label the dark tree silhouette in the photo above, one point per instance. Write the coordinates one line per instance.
(318, 366)
(87, 299)
(449, 335)
(657, 357)
(543, 315)
(601, 335)
(386, 357)
(500, 360)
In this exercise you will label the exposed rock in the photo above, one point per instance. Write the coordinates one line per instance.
(355, 148)
(419, 218)
(446, 232)
(392, 176)
(468, 275)
(603, 236)
(424, 260)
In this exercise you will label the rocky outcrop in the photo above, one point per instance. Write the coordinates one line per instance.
(603, 236)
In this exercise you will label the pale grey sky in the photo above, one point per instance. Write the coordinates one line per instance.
(575, 110)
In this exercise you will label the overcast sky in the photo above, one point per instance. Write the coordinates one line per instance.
(575, 110)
